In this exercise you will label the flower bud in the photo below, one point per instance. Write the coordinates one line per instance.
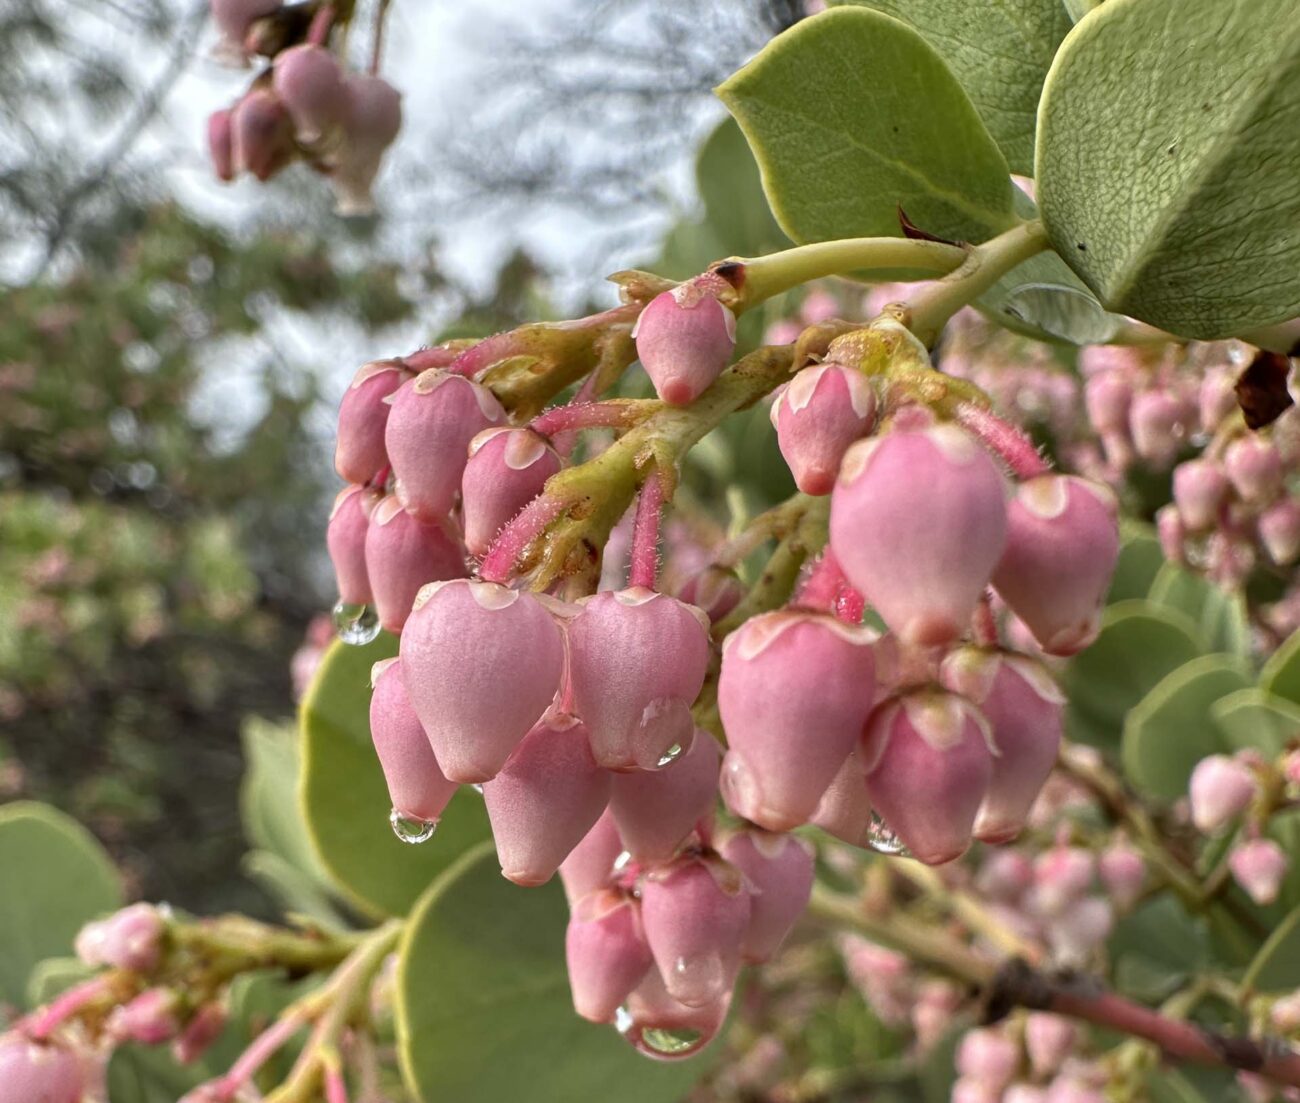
(1255, 468)
(1200, 490)
(715, 590)
(1221, 789)
(590, 864)
(546, 798)
(261, 135)
(1171, 533)
(1061, 550)
(1216, 400)
(1107, 397)
(844, 810)
(1285, 1014)
(918, 521)
(402, 555)
(1258, 866)
(684, 338)
(928, 770)
(1048, 1040)
(1023, 707)
(507, 469)
(128, 939)
(150, 1018)
(1061, 876)
(988, 1057)
(1155, 421)
(606, 952)
(1279, 531)
(36, 1072)
(821, 411)
(793, 693)
(203, 1029)
(656, 810)
(433, 418)
(372, 118)
(309, 82)
(1123, 871)
(779, 869)
(234, 17)
(1076, 934)
(637, 660)
(695, 913)
(221, 147)
(1004, 875)
(363, 416)
(345, 538)
(481, 664)
(416, 784)
(932, 1013)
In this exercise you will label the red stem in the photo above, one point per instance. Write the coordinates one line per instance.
(262, 1049)
(583, 415)
(489, 351)
(320, 26)
(437, 357)
(336, 1088)
(984, 628)
(45, 1020)
(499, 563)
(827, 590)
(1005, 440)
(645, 533)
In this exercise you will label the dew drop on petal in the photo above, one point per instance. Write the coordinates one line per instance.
(412, 830)
(621, 862)
(476, 787)
(356, 625)
(882, 840)
(671, 755)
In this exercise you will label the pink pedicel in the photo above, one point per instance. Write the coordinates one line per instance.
(918, 522)
(779, 869)
(656, 810)
(1061, 550)
(416, 785)
(606, 953)
(507, 469)
(345, 537)
(402, 555)
(817, 416)
(545, 800)
(481, 664)
(684, 338)
(360, 455)
(794, 691)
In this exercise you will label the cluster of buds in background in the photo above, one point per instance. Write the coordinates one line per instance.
(306, 105)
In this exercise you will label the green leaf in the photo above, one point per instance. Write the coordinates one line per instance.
(1276, 968)
(268, 797)
(1155, 947)
(1168, 135)
(1220, 616)
(1169, 731)
(1139, 644)
(1254, 718)
(483, 1006)
(852, 114)
(295, 891)
(999, 51)
(54, 976)
(1140, 560)
(55, 877)
(731, 190)
(345, 800)
(148, 1074)
(1281, 674)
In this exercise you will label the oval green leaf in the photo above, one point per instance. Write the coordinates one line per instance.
(1281, 674)
(999, 51)
(1276, 968)
(1169, 182)
(1221, 616)
(345, 801)
(1257, 719)
(1139, 644)
(1170, 730)
(852, 114)
(483, 1007)
(55, 877)
(1140, 560)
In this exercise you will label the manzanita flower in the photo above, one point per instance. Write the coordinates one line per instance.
(779, 869)
(1258, 865)
(1221, 789)
(1123, 871)
(128, 939)
(1061, 876)
(590, 864)
(545, 799)
(261, 134)
(918, 522)
(402, 555)
(1048, 1041)
(821, 411)
(637, 660)
(481, 664)
(37, 1072)
(345, 537)
(1108, 397)
(714, 590)
(1061, 550)
(1200, 490)
(199, 1034)
(793, 693)
(372, 118)
(507, 469)
(1254, 466)
(1004, 875)
(1156, 424)
(309, 82)
(684, 338)
(1023, 707)
(433, 418)
(1076, 934)
(656, 810)
(360, 454)
(845, 809)
(417, 786)
(987, 1057)
(928, 768)
(151, 1018)
(1279, 531)
(606, 952)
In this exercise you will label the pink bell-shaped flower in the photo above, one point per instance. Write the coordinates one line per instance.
(372, 118)
(36, 1072)
(1123, 871)
(1023, 707)
(234, 17)
(1156, 423)
(433, 418)
(1062, 546)
(928, 771)
(794, 691)
(822, 411)
(309, 82)
(416, 784)
(918, 521)
(128, 939)
(637, 660)
(404, 554)
(360, 454)
(1108, 397)
(590, 864)
(1221, 789)
(1255, 467)
(150, 1018)
(481, 664)
(221, 145)
(507, 469)
(606, 952)
(545, 800)
(656, 810)
(1200, 490)
(345, 537)
(1279, 531)
(684, 338)
(779, 869)
(845, 809)
(695, 912)
(261, 135)
(1048, 1040)
(1258, 866)
(715, 590)
(988, 1057)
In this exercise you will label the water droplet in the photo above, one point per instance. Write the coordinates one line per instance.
(356, 624)
(881, 839)
(621, 862)
(661, 1043)
(671, 755)
(412, 830)
(476, 787)
(623, 1021)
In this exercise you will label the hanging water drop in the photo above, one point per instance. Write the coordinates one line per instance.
(476, 787)
(356, 625)
(671, 755)
(621, 862)
(668, 1045)
(410, 829)
(883, 840)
